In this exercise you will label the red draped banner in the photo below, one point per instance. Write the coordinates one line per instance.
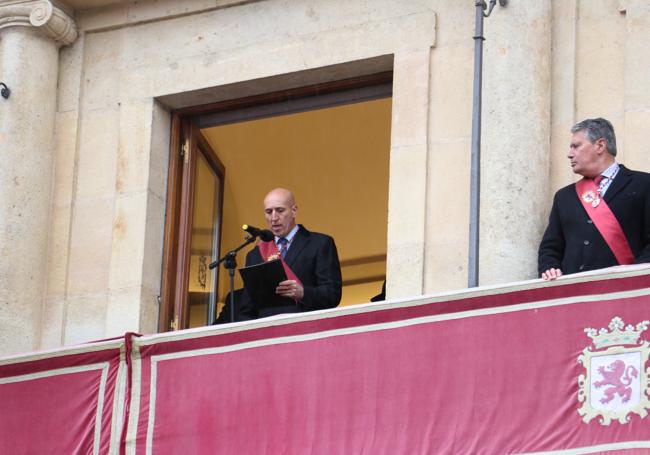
(552, 367)
(69, 401)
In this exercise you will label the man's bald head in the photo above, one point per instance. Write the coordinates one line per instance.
(280, 194)
(280, 211)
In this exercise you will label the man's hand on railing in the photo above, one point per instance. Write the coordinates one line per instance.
(551, 274)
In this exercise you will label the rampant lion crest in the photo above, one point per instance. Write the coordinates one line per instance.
(615, 381)
(618, 377)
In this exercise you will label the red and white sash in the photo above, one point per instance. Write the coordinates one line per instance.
(604, 220)
(270, 252)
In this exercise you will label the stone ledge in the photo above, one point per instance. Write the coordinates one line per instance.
(128, 14)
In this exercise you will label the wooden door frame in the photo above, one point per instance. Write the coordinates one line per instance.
(187, 141)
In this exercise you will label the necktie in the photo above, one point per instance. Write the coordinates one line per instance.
(599, 181)
(284, 246)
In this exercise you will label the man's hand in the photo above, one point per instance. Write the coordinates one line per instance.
(291, 289)
(551, 274)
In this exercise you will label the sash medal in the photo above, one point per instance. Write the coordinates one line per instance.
(604, 220)
(591, 197)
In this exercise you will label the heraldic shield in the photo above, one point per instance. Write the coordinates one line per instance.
(615, 382)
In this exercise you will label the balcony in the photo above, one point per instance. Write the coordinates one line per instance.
(525, 367)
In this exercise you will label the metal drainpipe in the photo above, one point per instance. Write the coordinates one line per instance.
(475, 169)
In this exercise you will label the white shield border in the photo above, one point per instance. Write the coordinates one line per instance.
(584, 384)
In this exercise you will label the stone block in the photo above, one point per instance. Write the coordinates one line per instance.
(445, 263)
(149, 311)
(404, 268)
(407, 194)
(637, 148)
(148, 11)
(103, 61)
(159, 151)
(90, 246)
(97, 157)
(406, 212)
(563, 72)
(560, 173)
(127, 240)
(17, 337)
(153, 241)
(451, 93)
(58, 250)
(447, 215)
(599, 61)
(211, 49)
(454, 24)
(102, 18)
(53, 322)
(65, 146)
(20, 314)
(410, 108)
(637, 55)
(139, 12)
(448, 168)
(85, 317)
(123, 311)
(563, 96)
(133, 152)
(70, 74)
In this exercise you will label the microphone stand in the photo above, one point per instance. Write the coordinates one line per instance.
(230, 262)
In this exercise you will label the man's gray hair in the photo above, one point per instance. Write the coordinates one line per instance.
(596, 128)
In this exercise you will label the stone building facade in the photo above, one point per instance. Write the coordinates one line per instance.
(86, 132)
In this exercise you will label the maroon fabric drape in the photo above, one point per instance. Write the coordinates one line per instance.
(62, 402)
(530, 367)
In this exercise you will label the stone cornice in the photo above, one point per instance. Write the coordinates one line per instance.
(44, 15)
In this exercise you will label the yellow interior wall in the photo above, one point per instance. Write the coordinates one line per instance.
(335, 160)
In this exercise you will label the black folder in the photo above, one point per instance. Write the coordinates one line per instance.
(260, 280)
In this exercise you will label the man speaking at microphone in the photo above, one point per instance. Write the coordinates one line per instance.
(603, 219)
(310, 260)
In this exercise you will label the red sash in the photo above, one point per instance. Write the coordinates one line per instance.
(269, 252)
(604, 220)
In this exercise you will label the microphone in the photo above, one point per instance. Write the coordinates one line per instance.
(264, 234)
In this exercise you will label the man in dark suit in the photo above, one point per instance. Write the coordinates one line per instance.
(601, 220)
(310, 258)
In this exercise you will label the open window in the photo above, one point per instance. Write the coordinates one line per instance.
(329, 143)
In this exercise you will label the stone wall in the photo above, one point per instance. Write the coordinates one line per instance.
(547, 64)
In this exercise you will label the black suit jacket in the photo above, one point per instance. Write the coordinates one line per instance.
(314, 260)
(572, 243)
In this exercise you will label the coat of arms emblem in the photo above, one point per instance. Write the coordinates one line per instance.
(616, 380)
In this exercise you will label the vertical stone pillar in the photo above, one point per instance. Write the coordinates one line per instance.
(30, 35)
(515, 153)
(408, 173)
(637, 81)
